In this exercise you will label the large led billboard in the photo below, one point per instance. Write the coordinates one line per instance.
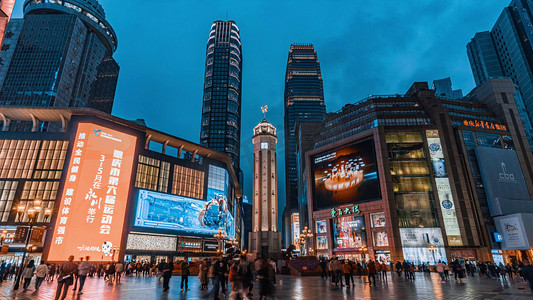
(90, 219)
(349, 232)
(345, 175)
(182, 214)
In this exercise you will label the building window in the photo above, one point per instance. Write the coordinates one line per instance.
(44, 190)
(51, 160)
(7, 195)
(17, 158)
(188, 182)
(147, 173)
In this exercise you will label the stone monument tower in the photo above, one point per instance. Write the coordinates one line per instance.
(265, 240)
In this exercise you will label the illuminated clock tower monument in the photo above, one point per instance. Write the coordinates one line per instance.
(265, 240)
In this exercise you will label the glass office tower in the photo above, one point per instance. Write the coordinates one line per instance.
(221, 108)
(62, 57)
(304, 102)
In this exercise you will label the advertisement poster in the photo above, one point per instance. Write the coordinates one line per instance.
(421, 255)
(321, 227)
(295, 224)
(321, 242)
(348, 232)
(187, 215)
(380, 239)
(346, 175)
(94, 199)
(514, 235)
(502, 178)
(382, 256)
(421, 237)
(447, 206)
(378, 220)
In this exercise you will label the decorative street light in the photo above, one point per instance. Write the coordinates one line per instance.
(32, 213)
(433, 249)
(220, 236)
(305, 235)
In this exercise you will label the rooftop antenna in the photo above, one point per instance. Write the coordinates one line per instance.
(264, 110)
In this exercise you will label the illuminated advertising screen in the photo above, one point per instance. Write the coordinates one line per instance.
(94, 198)
(345, 175)
(182, 214)
(295, 224)
(349, 232)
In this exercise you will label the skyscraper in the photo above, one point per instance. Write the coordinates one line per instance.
(507, 51)
(304, 102)
(221, 108)
(62, 57)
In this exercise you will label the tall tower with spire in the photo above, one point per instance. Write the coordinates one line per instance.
(265, 240)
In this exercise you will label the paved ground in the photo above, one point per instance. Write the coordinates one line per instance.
(291, 287)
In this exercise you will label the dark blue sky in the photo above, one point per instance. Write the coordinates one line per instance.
(364, 47)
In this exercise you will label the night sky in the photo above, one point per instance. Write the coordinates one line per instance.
(364, 48)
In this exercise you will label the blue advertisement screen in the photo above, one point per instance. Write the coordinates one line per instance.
(184, 215)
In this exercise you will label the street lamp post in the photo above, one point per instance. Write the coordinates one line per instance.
(433, 249)
(306, 234)
(32, 212)
(220, 236)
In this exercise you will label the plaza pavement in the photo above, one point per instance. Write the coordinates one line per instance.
(291, 287)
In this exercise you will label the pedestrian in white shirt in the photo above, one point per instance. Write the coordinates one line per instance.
(40, 273)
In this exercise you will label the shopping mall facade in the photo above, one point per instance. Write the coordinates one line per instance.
(420, 177)
(117, 189)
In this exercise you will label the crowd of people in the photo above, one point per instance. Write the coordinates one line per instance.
(337, 269)
(236, 275)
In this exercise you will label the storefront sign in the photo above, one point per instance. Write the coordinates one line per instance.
(189, 245)
(210, 246)
(151, 242)
(496, 251)
(338, 212)
(21, 235)
(95, 194)
(484, 124)
(447, 205)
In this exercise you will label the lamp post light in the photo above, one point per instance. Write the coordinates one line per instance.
(433, 249)
(32, 213)
(306, 234)
(220, 236)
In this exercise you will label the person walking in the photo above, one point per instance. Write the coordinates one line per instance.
(27, 273)
(440, 269)
(323, 268)
(119, 268)
(185, 272)
(399, 268)
(346, 269)
(83, 270)
(527, 273)
(40, 273)
(220, 272)
(167, 274)
(204, 269)
(371, 266)
(66, 277)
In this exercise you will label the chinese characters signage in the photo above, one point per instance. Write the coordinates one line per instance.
(93, 204)
(484, 124)
(444, 191)
(339, 212)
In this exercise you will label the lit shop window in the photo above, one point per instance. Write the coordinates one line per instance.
(7, 194)
(17, 158)
(188, 182)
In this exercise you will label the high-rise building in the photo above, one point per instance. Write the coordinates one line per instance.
(304, 102)
(62, 57)
(221, 108)
(507, 51)
(9, 43)
(265, 238)
(6, 8)
(443, 88)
